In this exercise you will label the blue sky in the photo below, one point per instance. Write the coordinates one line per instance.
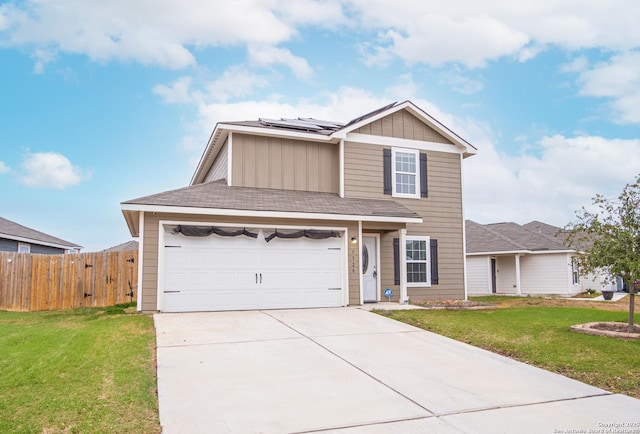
(101, 102)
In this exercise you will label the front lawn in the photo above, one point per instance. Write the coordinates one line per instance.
(537, 332)
(77, 371)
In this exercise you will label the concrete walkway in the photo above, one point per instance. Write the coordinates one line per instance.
(346, 370)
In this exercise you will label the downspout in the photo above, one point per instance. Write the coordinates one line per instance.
(229, 159)
(341, 168)
(359, 253)
(518, 289)
(140, 259)
(464, 232)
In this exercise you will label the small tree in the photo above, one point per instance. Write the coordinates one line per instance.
(610, 238)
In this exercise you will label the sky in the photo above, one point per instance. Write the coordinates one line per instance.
(106, 101)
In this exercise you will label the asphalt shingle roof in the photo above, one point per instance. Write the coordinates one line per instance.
(13, 229)
(219, 195)
(129, 245)
(508, 237)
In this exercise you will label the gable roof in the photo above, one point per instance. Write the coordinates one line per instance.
(217, 198)
(317, 130)
(534, 237)
(129, 245)
(14, 231)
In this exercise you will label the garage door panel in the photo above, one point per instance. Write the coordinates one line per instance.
(239, 273)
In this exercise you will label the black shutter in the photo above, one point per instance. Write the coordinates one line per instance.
(434, 262)
(424, 191)
(386, 160)
(396, 260)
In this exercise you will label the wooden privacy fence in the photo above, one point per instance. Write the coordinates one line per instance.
(30, 282)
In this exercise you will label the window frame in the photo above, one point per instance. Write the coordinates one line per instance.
(575, 270)
(26, 248)
(417, 185)
(427, 261)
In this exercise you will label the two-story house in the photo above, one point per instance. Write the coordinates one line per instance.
(293, 213)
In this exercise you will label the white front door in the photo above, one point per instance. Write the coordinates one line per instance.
(369, 269)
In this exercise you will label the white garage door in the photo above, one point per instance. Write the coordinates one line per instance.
(240, 273)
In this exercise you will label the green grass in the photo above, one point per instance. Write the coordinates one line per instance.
(539, 335)
(77, 371)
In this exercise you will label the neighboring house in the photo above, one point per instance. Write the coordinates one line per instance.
(129, 245)
(292, 213)
(530, 259)
(17, 238)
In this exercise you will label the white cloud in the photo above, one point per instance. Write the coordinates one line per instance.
(471, 41)
(178, 92)
(146, 31)
(618, 81)
(268, 55)
(236, 82)
(426, 31)
(42, 58)
(556, 178)
(578, 64)
(50, 170)
(459, 82)
(4, 168)
(472, 33)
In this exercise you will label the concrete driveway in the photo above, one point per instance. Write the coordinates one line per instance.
(346, 370)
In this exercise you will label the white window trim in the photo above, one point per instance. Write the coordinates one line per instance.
(427, 240)
(393, 172)
(24, 245)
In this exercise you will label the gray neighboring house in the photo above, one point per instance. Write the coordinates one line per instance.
(530, 259)
(129, 245)
(17, 238)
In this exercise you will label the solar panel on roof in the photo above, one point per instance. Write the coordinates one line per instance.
(291, 123)
(327, 124)
(298, 122)
(371, 114)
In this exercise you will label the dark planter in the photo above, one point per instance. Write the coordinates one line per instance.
(607, 295)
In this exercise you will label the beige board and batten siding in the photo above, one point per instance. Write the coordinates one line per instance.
(220, 167)
(403, 125)
(268, 162)
(441, 211)
(150, 248)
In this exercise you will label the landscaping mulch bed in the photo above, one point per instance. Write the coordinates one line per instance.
(611, 329)
(453, 304)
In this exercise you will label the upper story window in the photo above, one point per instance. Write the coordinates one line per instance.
(406, 174)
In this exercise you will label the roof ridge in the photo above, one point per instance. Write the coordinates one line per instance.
(542, 234)
(504, 237)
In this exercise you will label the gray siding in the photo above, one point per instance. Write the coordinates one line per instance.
(12, 246)
(35, 248)
(8, 245)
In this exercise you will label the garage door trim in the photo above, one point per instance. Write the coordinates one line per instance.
(162, 224)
